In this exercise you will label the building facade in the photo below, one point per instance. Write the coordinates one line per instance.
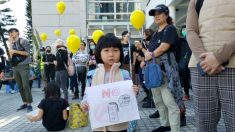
(85, 16)
(112, 16)
(46, 19)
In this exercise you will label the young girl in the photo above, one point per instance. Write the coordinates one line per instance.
(52, 109)
(108, 55)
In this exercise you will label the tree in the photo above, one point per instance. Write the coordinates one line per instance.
(7, 20)
(29, 24)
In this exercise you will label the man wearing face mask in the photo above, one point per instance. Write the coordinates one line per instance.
(49, 66)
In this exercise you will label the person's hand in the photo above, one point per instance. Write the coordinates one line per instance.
(138, 45)
(1, 75)
(10, 40)
(142, 64)
(30, 118)
(136, 89)
(85, 107)
(94, 62)
(220, 69)
(210, 64)
(148, 56)
(11, 52)
(78, 61)
(90, 62)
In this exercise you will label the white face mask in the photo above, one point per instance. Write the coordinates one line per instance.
(92, 47)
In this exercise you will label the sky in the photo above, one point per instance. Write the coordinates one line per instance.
(18, 10)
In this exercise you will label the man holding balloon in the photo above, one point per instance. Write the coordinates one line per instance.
(129, 55)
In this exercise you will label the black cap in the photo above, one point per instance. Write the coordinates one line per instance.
(13, 29)
(159, 8)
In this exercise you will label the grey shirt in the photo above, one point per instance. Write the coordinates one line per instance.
(80, 59)
(23, 46)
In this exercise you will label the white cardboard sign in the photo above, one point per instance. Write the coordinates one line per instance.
(112, 103)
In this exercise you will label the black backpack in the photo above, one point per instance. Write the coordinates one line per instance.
(182, 54)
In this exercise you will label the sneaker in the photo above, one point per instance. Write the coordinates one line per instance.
(22, 107)
(149, 104)
(29, 108)
(43, 89)
(75, 97)
(162, 129)
(182, 121)
(186, 97)
(13, 91)
(154, 115)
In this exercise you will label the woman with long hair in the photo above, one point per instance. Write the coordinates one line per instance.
(168, 97)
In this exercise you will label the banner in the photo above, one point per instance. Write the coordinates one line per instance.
(112, 103)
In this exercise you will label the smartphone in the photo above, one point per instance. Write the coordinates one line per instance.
(201, 71)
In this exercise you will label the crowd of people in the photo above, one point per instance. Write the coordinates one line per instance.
(112, 60)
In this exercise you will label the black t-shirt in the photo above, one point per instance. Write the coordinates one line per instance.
(52, 118)
(48, 58)
(61, 58)
(125, 48)
(167, 35)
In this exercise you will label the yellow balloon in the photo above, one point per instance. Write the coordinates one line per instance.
(61, 7)
(57, 32)
(43, 37)
(96, 35)
(137, 19)
(73, 43)
(72, 32)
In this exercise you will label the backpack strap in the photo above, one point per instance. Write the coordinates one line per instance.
(198, 6)
(18, 43)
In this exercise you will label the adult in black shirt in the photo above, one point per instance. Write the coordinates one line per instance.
(169, 96)
(126, 60)
(61, 71)
(49, 66)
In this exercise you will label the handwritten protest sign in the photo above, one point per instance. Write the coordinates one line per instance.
(111, 104)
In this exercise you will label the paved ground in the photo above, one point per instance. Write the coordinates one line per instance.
(12, 121)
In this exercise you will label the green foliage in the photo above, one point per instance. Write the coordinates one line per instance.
(7, 20)
(29, 25)
(37, 43)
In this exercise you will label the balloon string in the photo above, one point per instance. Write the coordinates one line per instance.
(142, 39)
